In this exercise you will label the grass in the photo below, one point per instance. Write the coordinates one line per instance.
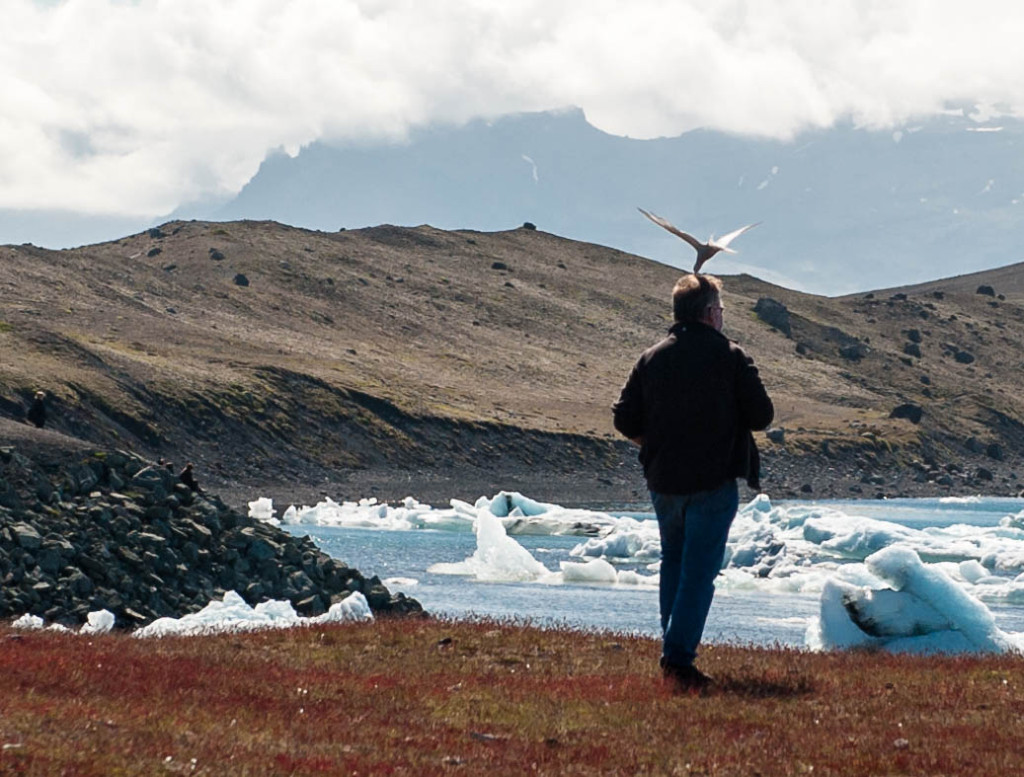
(441, 697)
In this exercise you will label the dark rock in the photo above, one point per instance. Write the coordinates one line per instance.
(994, 451)
(776, 435)
(912, 349)
(774, 313)
(898, 296)
(154, 252)
(909, 411)
(854, 351)
(914, 335)
(158, 550)
(529, 225)
(499, 266)
(964, 357)
(216, 255)
(986, 290)
(241, 280)
(26, 536)
(156, 233)
(983, 474)
(806, 488)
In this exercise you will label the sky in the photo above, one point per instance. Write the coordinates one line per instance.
(133, 107)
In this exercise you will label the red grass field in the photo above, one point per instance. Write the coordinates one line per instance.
(441, 697)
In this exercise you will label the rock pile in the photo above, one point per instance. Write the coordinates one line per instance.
(109, 531)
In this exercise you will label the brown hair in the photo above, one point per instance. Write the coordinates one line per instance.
(693, 294)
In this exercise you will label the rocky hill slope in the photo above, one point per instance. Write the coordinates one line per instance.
(394, 361)
(85, 531)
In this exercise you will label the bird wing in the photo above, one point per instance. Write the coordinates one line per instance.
(674, 230)
(722, 243)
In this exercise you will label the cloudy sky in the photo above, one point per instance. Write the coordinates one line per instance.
(133, 107)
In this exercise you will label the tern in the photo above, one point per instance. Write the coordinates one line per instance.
(704, 250)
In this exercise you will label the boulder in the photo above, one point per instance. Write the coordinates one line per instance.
(854, 351)
(775, 314)
(909, 411)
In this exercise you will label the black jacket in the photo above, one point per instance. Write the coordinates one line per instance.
(694, 399)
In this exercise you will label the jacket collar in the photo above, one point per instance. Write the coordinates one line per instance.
(692, 326)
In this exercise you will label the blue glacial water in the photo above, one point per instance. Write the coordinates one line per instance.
(761, 617)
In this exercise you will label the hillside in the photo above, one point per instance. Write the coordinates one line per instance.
(391, 361)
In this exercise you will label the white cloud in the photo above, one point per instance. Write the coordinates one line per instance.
(133, 107)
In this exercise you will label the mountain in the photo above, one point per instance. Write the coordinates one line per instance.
(843, 209)
(394, 361)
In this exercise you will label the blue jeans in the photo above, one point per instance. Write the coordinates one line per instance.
(694, 528)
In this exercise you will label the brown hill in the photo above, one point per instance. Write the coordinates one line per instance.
(393, 361)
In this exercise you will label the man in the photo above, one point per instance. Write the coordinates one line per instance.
(188, 477)
(37, 410)
(690, 403)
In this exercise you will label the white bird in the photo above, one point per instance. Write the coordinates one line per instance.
(704, 250)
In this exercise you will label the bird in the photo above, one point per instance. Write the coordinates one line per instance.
(704, 250)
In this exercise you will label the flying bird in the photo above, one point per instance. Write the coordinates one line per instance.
(704, 250)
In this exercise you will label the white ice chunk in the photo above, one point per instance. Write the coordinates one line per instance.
(262, 509)
(594, 571)
(353, 607)
(498, 557)
(27, 621)
(925, 610)
(99, 622)
(233, 614)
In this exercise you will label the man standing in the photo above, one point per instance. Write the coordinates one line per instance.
(37, 410)
(690, 403)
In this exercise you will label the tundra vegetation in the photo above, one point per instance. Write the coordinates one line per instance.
(430, 696)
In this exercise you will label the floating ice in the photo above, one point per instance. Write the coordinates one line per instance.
(262, 509)
(518, 514)
(923, 611)
(594, 571)
(497, 557)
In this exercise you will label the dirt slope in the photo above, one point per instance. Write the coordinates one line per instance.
(393, 361)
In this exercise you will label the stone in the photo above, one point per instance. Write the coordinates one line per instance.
(776, 434)
(909, 411)
(994, 451)
(985, 290)
(241, 280)
(854, 351)
(914, 335)
(912, 349)
(964, 357)
(773, 313)
(26, 536)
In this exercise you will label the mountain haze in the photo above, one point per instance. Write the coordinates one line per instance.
(844, 208)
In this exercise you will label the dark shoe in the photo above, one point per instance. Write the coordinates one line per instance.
(685, 679)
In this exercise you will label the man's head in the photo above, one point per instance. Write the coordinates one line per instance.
(698, 298)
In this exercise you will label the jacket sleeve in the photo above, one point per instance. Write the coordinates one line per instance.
(627, 412)
(755, 406)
